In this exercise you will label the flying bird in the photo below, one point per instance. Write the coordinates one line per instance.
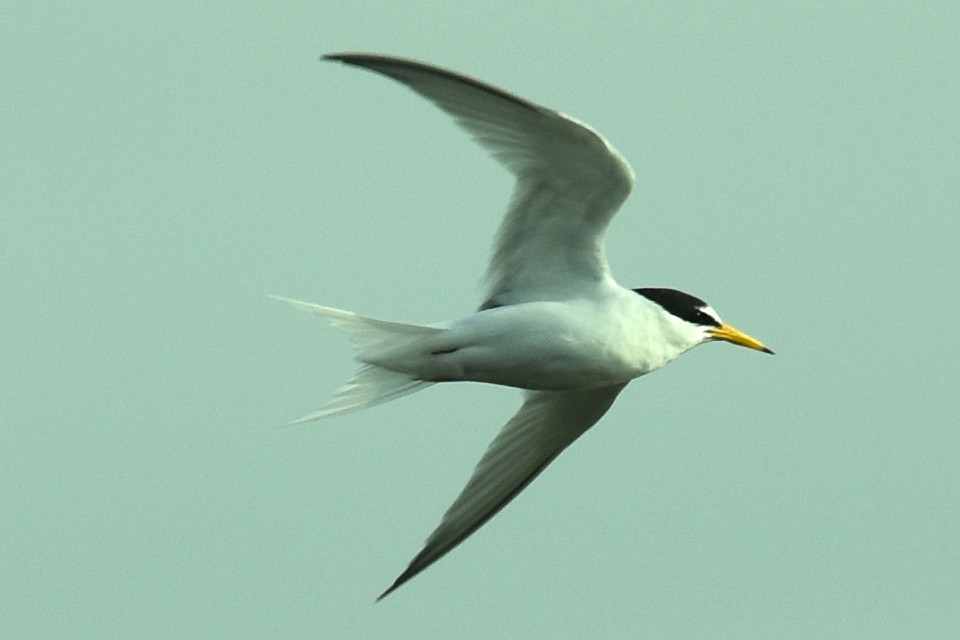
(552, 322)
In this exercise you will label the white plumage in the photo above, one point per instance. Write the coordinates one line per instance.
(553, 321)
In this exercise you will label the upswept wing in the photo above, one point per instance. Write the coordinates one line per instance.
(546, 424)
(570, 181)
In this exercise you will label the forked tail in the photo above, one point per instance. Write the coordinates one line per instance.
(372, 384)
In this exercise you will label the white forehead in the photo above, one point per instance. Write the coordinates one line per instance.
(710, 312)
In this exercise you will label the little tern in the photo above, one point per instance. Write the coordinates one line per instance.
(553, 322)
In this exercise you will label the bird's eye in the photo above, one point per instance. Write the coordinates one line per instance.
(706, 319)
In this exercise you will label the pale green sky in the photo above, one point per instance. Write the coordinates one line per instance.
(163, 169)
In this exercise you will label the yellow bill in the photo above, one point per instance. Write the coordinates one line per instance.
(729, 334)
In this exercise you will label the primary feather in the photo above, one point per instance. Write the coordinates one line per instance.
(570, 182)
(552, 321)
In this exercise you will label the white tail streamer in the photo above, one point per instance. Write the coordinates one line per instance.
(371, 337)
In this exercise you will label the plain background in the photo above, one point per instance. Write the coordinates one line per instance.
(165, 167)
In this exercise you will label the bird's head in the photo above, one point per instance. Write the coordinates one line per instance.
(696, 320)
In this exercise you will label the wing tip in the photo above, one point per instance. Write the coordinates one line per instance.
(361, 59)
(399, 582)
(416, 566)
(354, 58)
(335, 57)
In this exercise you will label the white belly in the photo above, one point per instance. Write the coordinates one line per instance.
(539, 345)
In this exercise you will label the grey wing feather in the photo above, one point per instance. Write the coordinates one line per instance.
(546, 424)
(570, 181)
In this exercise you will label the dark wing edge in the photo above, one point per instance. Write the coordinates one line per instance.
(570, 180)
(546, 424)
